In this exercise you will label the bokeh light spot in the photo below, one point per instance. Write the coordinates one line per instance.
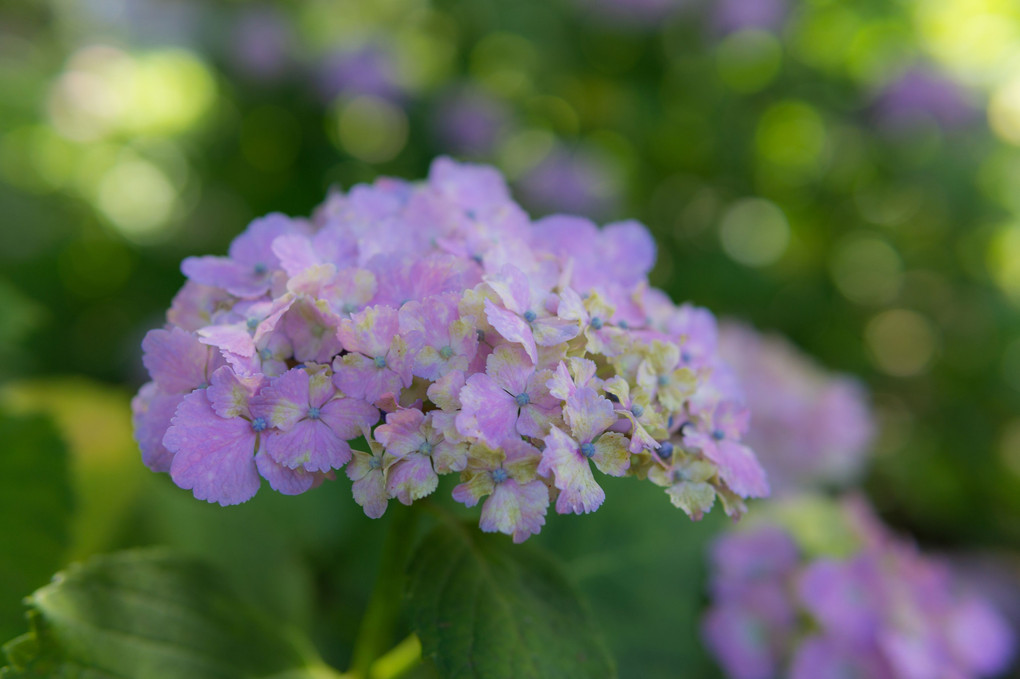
(792, 135)
(866, 269)
(137, 198)
(754, 232)
(1009, 446)
(748, 61)
(902, 342)
(372, 129)
(1003, 259)
(1004, 111)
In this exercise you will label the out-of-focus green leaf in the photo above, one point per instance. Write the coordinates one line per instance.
(35, 509)
(484, 607)
(148, 614)
(106, 468)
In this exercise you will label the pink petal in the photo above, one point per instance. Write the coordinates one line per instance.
(237, 279)
(283, 479)
(512, 287)
(233, 338)
(175, 359)
(402, 432)
(296, 253)
(213, 457)
(512, 327)
(230, 393)
(487, 411)
(370, 492)
(310, 445)
(349, 417)
(510, 367)
(589, 414)
(739, 468)
(515, 510)
(579, 494)
(550, 331)
(284, 401)
(411, 478)
(152, 412)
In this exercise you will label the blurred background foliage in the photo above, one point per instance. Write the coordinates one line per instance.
(845, 173)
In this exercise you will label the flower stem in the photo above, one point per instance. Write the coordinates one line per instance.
(376, 632)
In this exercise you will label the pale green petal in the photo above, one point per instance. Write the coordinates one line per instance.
(611, 454)
(694, 498)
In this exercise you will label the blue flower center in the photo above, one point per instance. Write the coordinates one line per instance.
(596, 322)
(425, 448)
(530, 315)
(623, 324)
(259, 424)
(637, 410)
(665, 450)
(265, 354)
(499, 475)
(446, 352)
(261, 269)
(662, 380)
(477, 258)
(252, 323)
(685, 357)
(588, 449)
(380, 362)
(314, 413)
(349, 308)
(374, 463)
(718, 435)
(522, 399)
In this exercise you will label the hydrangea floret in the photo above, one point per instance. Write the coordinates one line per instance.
(412, 330)
(868, 604)
(810, 427)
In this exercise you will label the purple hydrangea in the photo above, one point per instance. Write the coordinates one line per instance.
(411, 330)
(924, 94)
(880, 609)
(809, 427)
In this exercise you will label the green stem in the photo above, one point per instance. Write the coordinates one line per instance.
(376, 632)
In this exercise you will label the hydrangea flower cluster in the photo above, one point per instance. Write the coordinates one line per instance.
(884, 611)
(439, 327)
(809, 427)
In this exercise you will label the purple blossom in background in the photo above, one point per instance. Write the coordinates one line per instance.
(880, 610)
(469, 122)
(261, 42)
(439, 325)
(571, 181)
(366, 70)
(730, 16)
(923, 94)
(809, 427)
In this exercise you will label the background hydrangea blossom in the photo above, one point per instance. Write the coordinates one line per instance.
(880, 610)
(809, 426)
(436, 321)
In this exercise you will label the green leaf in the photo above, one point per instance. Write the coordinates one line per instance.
(484, 607)
(35, 511)
(148, 614)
